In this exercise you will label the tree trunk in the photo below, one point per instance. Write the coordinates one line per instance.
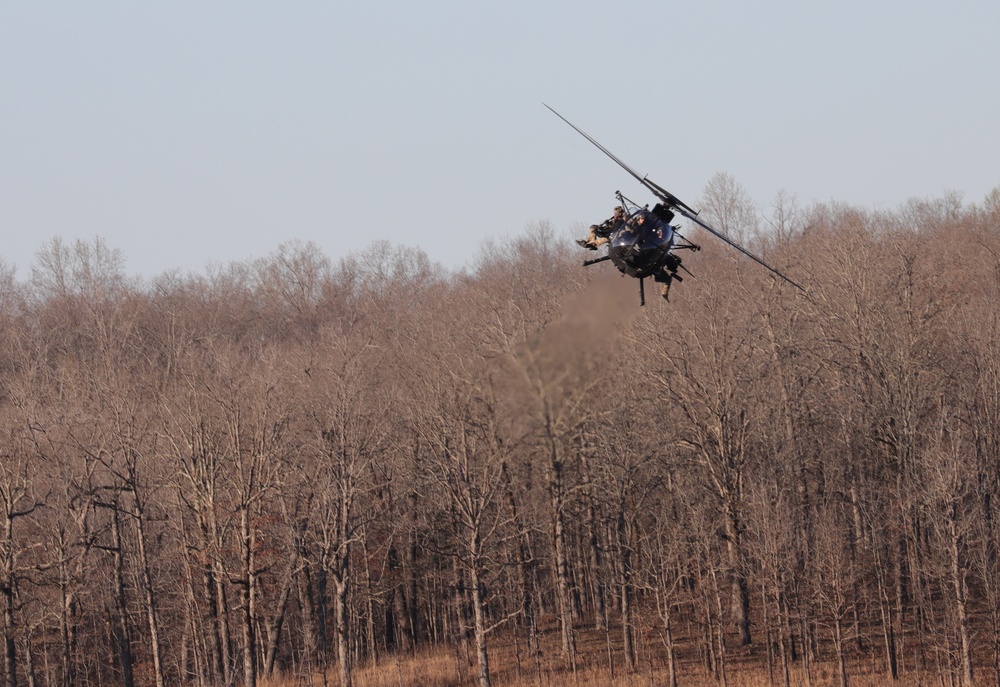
(721, 668)
(215, 590)
(564, 603)
(7, 587)
(249, 583)
(740, 587)
(342, 629)
(412, 557)
(479, 615)
(888, 623)
(150, 595)
(960, 591)
(29, 661)
(322, 609)
(625, 586)
(522, 553)
(838, 644)
(781, 612)
(10, 648)
(599, 592)
(121, 629)
(275, 624)
(461, 607)
(67, 627)
(668, 641)
(308, 611)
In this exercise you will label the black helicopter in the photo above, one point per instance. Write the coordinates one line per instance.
(642, 243)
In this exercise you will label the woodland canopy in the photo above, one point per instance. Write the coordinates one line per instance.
(291, 465)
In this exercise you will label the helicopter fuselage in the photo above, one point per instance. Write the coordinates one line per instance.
(640, 246)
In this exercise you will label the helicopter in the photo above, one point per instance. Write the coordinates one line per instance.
(642, 243)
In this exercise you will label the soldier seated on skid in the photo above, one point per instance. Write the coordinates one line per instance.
(601, 233)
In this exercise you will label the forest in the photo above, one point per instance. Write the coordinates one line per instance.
(284, 470)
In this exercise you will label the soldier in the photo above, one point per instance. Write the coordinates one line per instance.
(601, 233)
(668, 274)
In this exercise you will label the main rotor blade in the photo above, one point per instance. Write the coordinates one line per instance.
(668, 197)
(737, 246)
(656, 189)
(602, 148)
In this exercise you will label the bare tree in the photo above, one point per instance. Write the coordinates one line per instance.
(470, 450)
(708, 385)
(17, 500)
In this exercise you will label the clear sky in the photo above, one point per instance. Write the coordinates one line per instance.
(185, 132)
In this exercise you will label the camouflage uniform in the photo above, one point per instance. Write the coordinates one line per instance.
(601, 233)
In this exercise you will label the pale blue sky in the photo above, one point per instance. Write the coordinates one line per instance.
(185, 133)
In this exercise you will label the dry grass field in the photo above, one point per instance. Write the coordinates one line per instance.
(599, 665)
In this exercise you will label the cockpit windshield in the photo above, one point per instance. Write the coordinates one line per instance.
(644, 230)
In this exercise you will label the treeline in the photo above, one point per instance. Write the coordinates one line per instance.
(292, 466)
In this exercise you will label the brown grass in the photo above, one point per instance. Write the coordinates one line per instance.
(512, 666)
(436, 668)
